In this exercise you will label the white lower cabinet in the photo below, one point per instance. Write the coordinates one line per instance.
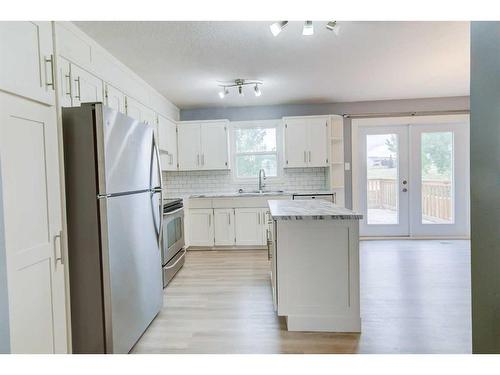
(248, 226)
(201, 227)
(224, 227)
(231, 223)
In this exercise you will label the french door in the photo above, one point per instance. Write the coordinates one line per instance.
(414, 176)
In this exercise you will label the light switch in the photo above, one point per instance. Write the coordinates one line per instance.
(347, 166)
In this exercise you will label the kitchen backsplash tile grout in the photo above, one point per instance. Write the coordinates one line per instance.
(192, 182)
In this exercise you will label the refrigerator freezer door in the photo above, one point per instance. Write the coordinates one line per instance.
(135, 270)
(128, 153)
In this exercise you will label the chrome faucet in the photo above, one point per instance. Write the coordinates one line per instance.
(262, 176)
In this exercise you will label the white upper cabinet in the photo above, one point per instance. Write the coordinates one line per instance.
(214, 146)
(27, 60)
(296, 144)
(306, 142)
(65, 82)
(318, 142)
(114, 98)
(77, 86)
(203, 145)
(87, 88)
(188, 140)
(167, 133)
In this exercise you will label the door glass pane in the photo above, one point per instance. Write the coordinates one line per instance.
(437, 178)
(382, 178)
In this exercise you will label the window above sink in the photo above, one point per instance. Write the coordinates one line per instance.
(255, 146)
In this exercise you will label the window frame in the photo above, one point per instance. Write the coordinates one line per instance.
(263, 124)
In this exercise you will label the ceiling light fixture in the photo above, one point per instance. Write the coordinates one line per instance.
(277, 27)
(333, 26)
(308, 28)
(239, 84)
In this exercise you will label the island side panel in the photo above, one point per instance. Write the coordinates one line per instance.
(318, 274)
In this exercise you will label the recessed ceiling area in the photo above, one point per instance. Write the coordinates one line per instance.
(366, 61)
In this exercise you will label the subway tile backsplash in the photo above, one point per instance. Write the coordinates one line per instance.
(195, 182)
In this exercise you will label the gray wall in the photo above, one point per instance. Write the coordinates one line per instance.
(485, 186)
(4, 303)
(456, 103)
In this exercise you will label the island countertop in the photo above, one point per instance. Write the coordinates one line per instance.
(310, 209)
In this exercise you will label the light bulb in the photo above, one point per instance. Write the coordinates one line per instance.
(257, 90)
(308, 28)
(277, 27)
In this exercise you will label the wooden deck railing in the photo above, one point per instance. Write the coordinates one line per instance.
(436, 197)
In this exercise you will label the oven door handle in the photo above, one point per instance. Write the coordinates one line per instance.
(177, 261)
(173, 212)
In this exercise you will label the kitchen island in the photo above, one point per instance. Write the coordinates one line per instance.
(314, 251)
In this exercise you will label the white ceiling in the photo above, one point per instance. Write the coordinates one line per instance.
(367, 61)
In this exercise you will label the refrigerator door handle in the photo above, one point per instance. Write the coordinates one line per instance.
(159, 189)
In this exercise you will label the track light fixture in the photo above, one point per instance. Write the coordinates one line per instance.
(239, 84)
(307, 30)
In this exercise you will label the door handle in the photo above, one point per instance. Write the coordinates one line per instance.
(309, 156)
(78, 88)
(229, 219)
(58, 256)
(158, 190)
(51, 61)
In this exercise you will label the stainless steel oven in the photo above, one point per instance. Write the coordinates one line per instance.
(173, 251)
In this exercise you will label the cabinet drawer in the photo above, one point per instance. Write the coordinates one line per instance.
(200, 203)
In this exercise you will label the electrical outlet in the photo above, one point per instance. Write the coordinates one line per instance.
(347, 166)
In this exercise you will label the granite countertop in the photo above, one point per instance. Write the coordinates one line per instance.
(310, 210)
(256, 194)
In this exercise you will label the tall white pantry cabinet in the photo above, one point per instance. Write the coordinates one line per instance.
(46, 66)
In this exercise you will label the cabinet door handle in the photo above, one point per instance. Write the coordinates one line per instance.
(210, 220)
(78, 88)
(258, 218)
(171, 159)
(68, 76)
(309, 156)
(229, 219)
(51, 61)
(58, 256)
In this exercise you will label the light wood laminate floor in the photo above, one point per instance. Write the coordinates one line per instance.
(415, 298)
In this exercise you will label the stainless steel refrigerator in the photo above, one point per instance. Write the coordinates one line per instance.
(114, 215)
